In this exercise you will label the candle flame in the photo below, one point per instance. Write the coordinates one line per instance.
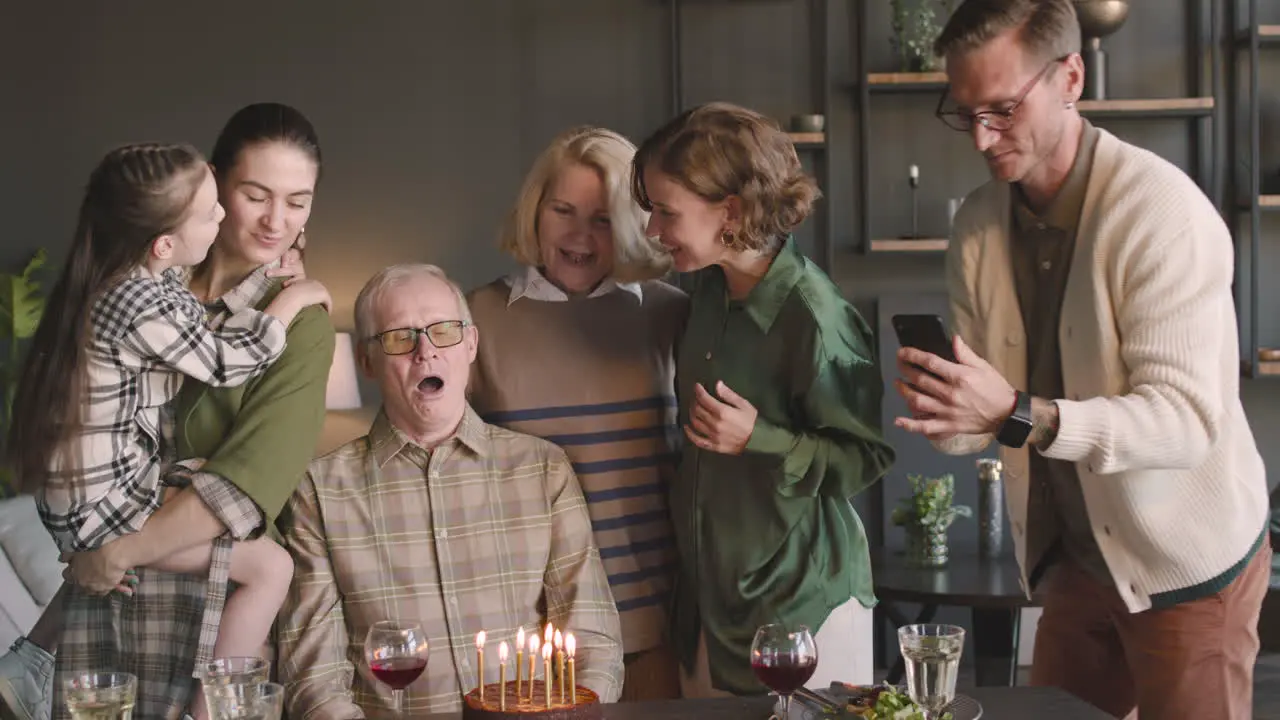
(546, 651)
(570, 644)
(559, 641)
(502, 651)
(533, 644)
(480, 639)
(547, 635)
(520, 639)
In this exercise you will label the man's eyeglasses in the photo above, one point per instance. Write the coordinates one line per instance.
(999, 120)
(402, 341)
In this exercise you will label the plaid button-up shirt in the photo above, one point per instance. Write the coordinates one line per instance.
(169, 624)
(488, 531)
(148, 334)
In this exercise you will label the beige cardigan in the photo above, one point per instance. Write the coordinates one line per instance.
(1175, 487)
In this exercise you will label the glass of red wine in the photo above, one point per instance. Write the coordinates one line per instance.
(783, 658)
(396, 651)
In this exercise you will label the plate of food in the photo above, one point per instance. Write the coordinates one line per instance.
(877, 702)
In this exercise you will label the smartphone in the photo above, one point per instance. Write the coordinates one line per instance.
(924, 332)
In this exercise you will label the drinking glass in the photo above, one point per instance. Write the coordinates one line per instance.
(220, 676)
(396, 651)
(101, 696)
(932, 657)
(784, 658)
(247, 701)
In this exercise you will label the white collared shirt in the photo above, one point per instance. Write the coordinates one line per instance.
(531, 283)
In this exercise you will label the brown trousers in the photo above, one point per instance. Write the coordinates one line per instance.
(1193, 660)
(651, 675)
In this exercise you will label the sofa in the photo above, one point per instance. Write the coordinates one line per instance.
(30, 572)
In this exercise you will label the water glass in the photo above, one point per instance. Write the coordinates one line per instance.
(249, 701)
(234, 671)
(932, 657)
(101, 696)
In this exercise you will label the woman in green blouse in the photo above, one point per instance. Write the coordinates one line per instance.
(779, 399)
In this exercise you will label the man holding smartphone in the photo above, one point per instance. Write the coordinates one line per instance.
(1090, 292)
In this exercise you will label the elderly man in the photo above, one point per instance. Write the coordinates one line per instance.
(435, 517)
(1090, 288)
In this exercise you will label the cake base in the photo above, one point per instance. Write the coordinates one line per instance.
(586, 707)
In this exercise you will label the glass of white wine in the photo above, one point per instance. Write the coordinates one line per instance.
(250, 701)
(101, 696)
(932, 657)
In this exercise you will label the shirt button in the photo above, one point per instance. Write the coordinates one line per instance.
(1046, 265)
(453, 599)
(708, 354)
(442, 534)
(1040, 226)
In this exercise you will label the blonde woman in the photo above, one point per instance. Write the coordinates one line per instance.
(577, 346)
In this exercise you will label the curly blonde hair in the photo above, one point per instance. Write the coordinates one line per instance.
(636, 257)
(720, 150)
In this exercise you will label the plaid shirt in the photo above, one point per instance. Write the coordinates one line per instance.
(148, 333)
(488, 531)
(168, 625)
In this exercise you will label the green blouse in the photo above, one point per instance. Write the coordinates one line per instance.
(770, 535)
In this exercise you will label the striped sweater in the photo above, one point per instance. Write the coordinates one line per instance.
(596, 377)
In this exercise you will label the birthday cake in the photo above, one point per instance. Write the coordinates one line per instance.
(526, 704)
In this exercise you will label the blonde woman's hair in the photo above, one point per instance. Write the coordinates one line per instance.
(636, 257)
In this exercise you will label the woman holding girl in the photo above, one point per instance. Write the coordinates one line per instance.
(779, 401)
(257, 437)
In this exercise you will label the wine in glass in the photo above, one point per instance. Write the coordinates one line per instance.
(396, 651)
(932, 657)
(101, 696)
(784, 658)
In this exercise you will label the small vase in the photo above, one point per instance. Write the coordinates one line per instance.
(926, 547)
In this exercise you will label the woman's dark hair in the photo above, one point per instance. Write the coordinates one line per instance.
(135, 194)
(262, 123)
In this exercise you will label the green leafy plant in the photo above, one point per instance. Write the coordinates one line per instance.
(916, 26)
(930, 504)
(21, 307)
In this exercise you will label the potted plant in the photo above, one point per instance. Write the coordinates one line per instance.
(925, 515)
(21, 306)
(915, 28)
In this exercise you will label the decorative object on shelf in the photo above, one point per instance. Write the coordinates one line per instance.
(990, 508)
(916, 25)
(1098, 19)
(343, 389)
(926, 515)
(953, 207)
(21, 307)
(808, 123)
(913, 177)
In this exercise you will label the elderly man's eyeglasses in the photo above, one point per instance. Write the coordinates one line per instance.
(402, 341)
(1000, 120)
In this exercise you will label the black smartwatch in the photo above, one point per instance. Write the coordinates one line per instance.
(1015, 431)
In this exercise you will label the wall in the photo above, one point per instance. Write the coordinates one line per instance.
(430, 113)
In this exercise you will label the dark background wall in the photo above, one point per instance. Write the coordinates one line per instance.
(431, 111)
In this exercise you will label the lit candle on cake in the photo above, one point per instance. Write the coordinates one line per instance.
(546, 670)
(519, 659)
(560, 662)
(480, 663)
(502, 675)
(533, 663)
(570, 645)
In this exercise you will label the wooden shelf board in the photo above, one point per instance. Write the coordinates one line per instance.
(808, 138)
(909, 245)
(1267, 368)
(1269, 31)
(906, 78)
(1152, 106)
(1269, 201)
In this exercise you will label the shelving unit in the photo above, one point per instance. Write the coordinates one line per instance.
(1200, 107)
(1250, 202)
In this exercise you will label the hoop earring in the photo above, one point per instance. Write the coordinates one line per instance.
(727, 238)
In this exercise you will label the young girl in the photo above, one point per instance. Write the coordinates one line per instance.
(119, 334)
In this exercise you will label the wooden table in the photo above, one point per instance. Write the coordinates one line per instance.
(991, 589)
(997, 704)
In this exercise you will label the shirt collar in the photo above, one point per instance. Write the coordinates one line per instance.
(766, 299)
(387, 441)
(1064, 210)
(531, 283)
